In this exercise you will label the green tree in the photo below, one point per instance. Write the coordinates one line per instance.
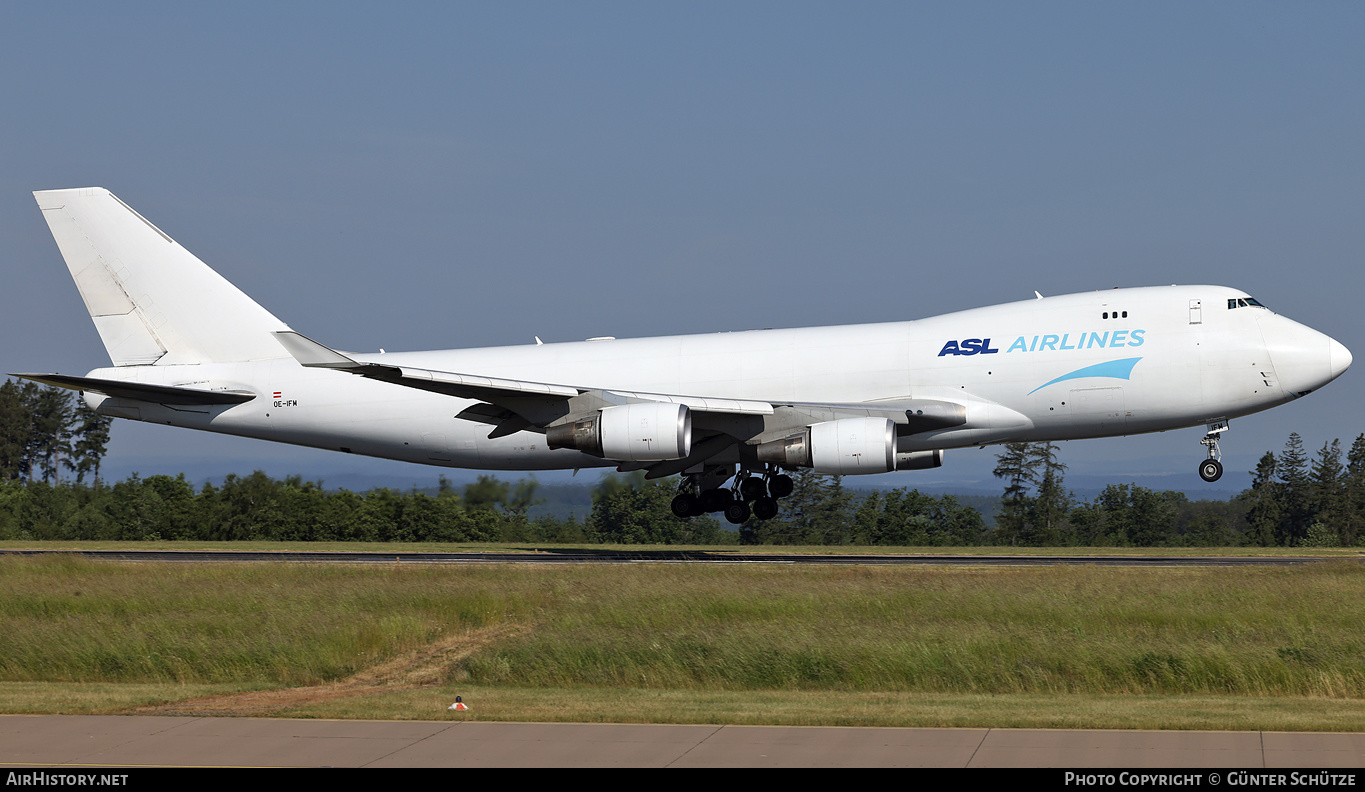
(1211, 523)
(1265, 512)
(90, 443)
(1015, 464)
(826, 515)
(1352, 527)
(819, 511)
(911, 518)
(486, 492)
(16, 429)
(1295, 494)
(631, 510)
(1326, 490)
(1131, 515)
(248, 508)
(1035, 505)
(51, 439)
(522, 497)
(1046, 524)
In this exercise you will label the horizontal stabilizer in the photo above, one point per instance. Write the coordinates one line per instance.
(312, 354)
(159, 394)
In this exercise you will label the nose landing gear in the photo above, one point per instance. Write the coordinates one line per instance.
(1211, 469)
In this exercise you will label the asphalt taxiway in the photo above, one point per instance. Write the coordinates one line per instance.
(114, 741)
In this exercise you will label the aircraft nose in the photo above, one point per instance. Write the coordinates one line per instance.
(1339, 356)
(1304, 358)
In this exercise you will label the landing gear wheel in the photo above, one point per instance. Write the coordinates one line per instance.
(751, 488)
(737, 512)
(716, 500)
(781, 485)
(685, 506)
(765, 508)
(1210, 470)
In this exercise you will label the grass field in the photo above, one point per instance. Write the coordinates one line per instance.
(1075, 646)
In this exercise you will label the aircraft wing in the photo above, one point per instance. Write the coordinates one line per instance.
(515, 405)
(537, 402)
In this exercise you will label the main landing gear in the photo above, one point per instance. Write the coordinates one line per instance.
(1211, 469)
(748, 495)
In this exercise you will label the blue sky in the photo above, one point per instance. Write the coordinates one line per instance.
(412, 175)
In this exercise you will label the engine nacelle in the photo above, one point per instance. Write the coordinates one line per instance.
(645, 432)
(848, 446)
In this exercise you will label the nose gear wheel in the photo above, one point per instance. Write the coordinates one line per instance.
(1211, 469)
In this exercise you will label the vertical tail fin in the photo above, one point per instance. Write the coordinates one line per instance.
(153, 302)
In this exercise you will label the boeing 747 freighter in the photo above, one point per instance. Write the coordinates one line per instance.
(730, 412)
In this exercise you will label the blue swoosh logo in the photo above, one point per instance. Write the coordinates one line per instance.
(1117, 369)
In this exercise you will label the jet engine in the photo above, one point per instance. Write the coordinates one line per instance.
(843, 447)
(644, 432)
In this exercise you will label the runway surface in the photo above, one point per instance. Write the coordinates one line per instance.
(113, 741)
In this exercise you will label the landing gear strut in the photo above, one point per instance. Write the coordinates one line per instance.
(700, 492)
(703, 491)
(1211, 469)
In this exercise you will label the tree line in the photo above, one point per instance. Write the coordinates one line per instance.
(1294, 500)
(625, 510)
(44, 430)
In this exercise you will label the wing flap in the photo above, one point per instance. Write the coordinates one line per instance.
(910, 415)
(696, 403)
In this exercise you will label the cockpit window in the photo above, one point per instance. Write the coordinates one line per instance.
(1243, 302)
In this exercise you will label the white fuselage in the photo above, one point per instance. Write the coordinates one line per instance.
(1097, 364)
